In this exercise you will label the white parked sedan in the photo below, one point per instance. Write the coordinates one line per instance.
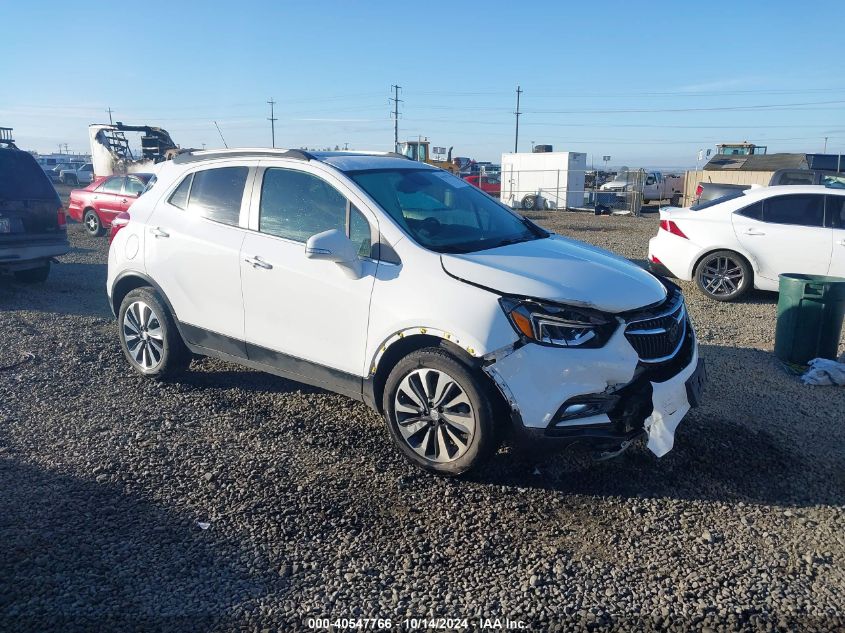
(747, 239)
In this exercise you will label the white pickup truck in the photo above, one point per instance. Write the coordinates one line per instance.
(656, 186)
(78, 175)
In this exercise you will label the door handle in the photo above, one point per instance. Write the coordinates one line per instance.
(158, 232)
(124, 201)
(753, 232)
(257, 262)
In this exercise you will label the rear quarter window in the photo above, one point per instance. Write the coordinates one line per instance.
(216, 194)
(21, 178)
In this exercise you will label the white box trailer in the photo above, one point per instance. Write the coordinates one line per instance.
(556, 177)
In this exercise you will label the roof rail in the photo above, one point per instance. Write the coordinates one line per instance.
(192, 156)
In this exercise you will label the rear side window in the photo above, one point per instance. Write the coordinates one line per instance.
(836, 211)
(296, 205)
(21, 178)
(111, 185)
(134, 187)
(179, 198)
(216, 194)
(754, 211)
(803, 210)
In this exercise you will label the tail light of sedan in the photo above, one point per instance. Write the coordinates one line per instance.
(119, 221)
(669, 225)
(62, 219)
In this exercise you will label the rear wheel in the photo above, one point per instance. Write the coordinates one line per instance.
(34, 275)
(439, 412)
(92, 223)
(723, 275)
(148, 335)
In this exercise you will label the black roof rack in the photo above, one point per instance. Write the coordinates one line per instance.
(192, 156)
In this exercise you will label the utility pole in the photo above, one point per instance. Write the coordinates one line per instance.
(825, 145)
(272, 120)
(111, 122)
(66, 152)
(517, 113)
(395, 99)
(345, 146)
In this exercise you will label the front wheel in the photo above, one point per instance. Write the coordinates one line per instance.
(723, 276)
(439, 412)
(148, 335)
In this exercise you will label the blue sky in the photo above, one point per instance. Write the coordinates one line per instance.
(647, 83)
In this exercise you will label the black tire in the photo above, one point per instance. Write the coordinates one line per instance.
(165, 350)
(34, 275)
(724, 275)
(91, 222)
(478, 392)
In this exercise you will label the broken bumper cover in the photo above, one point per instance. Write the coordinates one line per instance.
(603, 398)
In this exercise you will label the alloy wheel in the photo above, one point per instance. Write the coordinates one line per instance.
(143, 335)
(92, 223)
(434, 415)
(721, 276)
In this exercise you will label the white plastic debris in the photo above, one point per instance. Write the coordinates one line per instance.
(202, 525)
(824, 371)
(670, 406)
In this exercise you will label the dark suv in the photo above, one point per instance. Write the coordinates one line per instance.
(32, 220)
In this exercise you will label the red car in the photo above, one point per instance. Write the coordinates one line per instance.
(97, 204)
(489, 184)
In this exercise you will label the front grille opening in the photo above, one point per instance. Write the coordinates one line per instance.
(658, 337)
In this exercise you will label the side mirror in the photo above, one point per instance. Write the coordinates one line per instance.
(334, 246)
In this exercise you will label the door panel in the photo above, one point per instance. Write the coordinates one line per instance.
(305, 308)
(107, 198)
(836, 218)
(195, 260)
(783, 248)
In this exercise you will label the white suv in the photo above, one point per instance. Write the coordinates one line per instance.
(398, 284)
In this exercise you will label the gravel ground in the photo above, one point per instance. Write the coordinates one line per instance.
(105, 479)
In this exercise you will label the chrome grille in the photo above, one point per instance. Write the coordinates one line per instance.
(659, 336)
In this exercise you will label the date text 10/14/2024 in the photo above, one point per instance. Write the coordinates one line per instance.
(449, 624)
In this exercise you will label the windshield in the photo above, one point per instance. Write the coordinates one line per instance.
(444, 213)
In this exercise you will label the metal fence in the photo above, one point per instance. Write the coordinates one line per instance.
(573, 190)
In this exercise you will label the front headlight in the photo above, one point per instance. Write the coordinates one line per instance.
(557, 325)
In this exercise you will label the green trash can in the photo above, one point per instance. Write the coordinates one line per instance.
(810, 313)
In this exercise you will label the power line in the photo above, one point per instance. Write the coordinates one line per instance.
(395, 99)
(272, 120)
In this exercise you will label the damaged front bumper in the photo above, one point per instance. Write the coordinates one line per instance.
(602, 398)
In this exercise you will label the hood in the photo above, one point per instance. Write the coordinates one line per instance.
(561, 270)
(614, 184)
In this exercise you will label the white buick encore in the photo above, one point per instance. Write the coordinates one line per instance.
(398, 284)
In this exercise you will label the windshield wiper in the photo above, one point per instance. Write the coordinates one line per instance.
(514, 240)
